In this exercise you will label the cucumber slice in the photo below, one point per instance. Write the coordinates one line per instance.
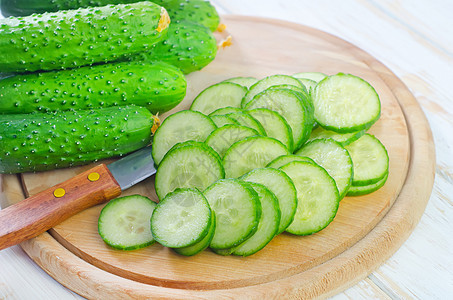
(296, 88)
(225, 110)
(309, 84)
(367, 189)
(267, 82)
(251, 153)
(282, 187)
(345, 103)
(369, 159)
(222, 138)
(343, 138)
(285, 159)
(290, 106)
(181, 219)
(201, 245)
(238, 211)
(180, 127)
(222, 120)
(124, 223)
(317, 197)
(244, 81)
(186, 165)
(267, 226)
(315, 76)
(274, 125)
(219, 95)
(333, 157)
(244, 119)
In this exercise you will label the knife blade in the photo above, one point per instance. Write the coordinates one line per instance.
(38, 213)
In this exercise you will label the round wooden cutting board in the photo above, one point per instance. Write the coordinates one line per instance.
(365, 232)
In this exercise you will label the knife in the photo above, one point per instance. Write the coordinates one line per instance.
(37, 214)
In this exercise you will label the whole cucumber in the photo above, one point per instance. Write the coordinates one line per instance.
(200, 11)
(157, 86)
(73, 38)
(46, 141)
(188, 46)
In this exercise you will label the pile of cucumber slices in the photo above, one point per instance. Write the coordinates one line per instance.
(252, 159)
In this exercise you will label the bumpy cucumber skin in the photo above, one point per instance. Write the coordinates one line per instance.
(46, 141)
(188, 46)
(155, 85)
(73, 38)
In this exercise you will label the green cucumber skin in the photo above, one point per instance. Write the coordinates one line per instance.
(73, 38)
(188, 46)
(47, 141)
(199, 11)
(155, 85)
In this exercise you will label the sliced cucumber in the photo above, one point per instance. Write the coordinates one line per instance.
(237, 209)
(370, 160)
(222, 120)
(181, 219)
(317, 197)
(291, 107)
(274, 125)
(189, 164)
(222, 138)
(225, 110)
(201, 245)
(309, 84)
(251, 153)
(282, 187)
(295, 88)
(345, 103)
(367, 189)
(315, 76)
(244, 81)
(180, 127)
(219, 95)
(244, 119)
(333, 157)
(268, 223)
(269, 81)
(343, 138)
(285, 159)
(124, 223)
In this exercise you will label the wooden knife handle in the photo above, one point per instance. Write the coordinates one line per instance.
(39, 213)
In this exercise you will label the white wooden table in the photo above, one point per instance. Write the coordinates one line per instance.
(415, 40)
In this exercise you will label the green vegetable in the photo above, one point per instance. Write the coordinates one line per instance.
(45, 141)
(188, 46)
(156, 86)
(74, 38)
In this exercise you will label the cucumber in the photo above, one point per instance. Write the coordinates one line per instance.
(274, 125)
(369, 159)
(267, 82)
(223, 94)
(282, 187)
(222, 120)
(222, 138)
(47, 141)
(317, 197)
(345, 103)
(237, 209)
(285, 159)
(74, 38)
(244, 81)
(225, 110)
(245, 119)
(201, 245)
(333, 157)
(267, 226)
(367, 189)
(155, 85)
(251, 153)
(308, 83)
(291, 107)
(124, 223)
(314, 76)
(343, 138)
(181, 219)
(188, 165)
(182, 126)
(187, 46)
